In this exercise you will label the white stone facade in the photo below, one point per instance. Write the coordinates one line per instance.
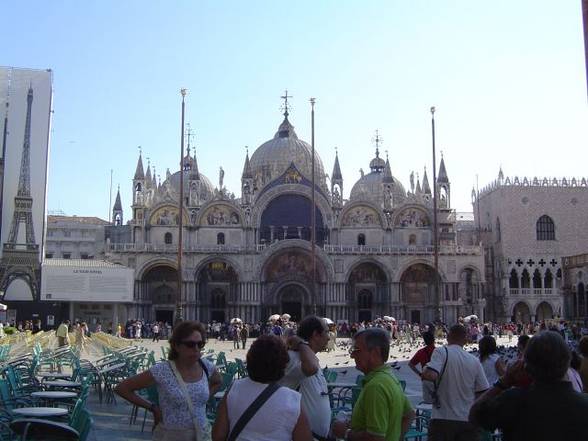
(527, 225)
(250, 257)
(74, 237)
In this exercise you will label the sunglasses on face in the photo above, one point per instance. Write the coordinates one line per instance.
(193, 344)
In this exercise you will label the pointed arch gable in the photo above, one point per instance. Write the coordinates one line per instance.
(361, 214)
(220, 213)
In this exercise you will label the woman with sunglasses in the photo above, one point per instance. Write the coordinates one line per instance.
(184, 383)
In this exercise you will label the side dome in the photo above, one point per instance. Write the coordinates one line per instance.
(173, 181)
(370, 187)
(271, 159)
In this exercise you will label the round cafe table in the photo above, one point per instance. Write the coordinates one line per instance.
(39, 412)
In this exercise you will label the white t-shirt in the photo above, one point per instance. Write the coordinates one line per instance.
(315, 394)
(274, 421)
(489, 365)
(463, 377)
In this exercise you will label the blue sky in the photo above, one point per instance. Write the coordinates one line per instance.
(507, 79)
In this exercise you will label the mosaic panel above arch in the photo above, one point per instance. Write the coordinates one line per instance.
(167, 215)
(292, 265)
(412, 217)
(221, 215)
(361, 216)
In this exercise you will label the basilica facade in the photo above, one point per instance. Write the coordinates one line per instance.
(250, 256)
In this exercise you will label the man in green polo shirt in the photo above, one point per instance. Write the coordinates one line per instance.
(382, 411)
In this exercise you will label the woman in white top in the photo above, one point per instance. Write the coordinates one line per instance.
(185, 376)
(494, 366)
(281, 417)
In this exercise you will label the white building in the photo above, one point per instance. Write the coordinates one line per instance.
(74, 237)
(527, 225)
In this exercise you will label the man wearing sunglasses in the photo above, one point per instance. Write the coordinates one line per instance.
(382, 411)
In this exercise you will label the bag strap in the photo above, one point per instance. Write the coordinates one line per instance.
(185, 393)
(252, 410)
(444, 366)
(204, 368)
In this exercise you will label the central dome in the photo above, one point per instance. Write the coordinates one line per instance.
(272, 158)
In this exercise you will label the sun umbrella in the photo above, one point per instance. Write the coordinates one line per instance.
(274, 317)
(389, 318)
(329, 321)
(236, 320)
(3, 307)
(470, 318)
(286, 316)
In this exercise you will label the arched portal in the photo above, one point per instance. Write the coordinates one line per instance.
(521, 313)
(217, 284)
(288, 284)
(292, 301)
(368, 284)
(160, 283)
(544, 311)
(580, 310)
(418, 293)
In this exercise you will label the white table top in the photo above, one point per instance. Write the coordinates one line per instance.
(54, 394)
(62, 383)
(53, 375)
(112, 368)
(40, 411)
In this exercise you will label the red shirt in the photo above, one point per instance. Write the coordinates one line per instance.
(422, 356)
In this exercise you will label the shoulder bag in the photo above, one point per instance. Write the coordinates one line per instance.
(430, 388)
(252, 410)
(201, 434)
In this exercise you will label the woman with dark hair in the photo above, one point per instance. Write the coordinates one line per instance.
(494, 366)
(184, 383)
(280, 417)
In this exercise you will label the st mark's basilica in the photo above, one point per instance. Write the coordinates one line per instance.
(250, 256)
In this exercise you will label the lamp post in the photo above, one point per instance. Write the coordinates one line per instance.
(435, 227)
(179, 312)
(313, 214)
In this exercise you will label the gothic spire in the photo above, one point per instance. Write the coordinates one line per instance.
(247, 168)
(387, 178)
(500, 174)
(148, 180)
(194, 173)
(336, 168)
(139, 173)
(442, 176)
(117, 202)
(418, 186)
(426, 187)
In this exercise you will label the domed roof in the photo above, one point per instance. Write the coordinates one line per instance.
(370, 188)
(271, 159)
(206, 187)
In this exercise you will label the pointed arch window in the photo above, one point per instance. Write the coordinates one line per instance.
(525, 279)
(537, 279)
(361, 239)
(545, 228)
(168, 238)
(220, 239)
(548, 279)
(514, 279)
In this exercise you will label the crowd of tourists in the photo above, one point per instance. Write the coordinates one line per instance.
(534, 391)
